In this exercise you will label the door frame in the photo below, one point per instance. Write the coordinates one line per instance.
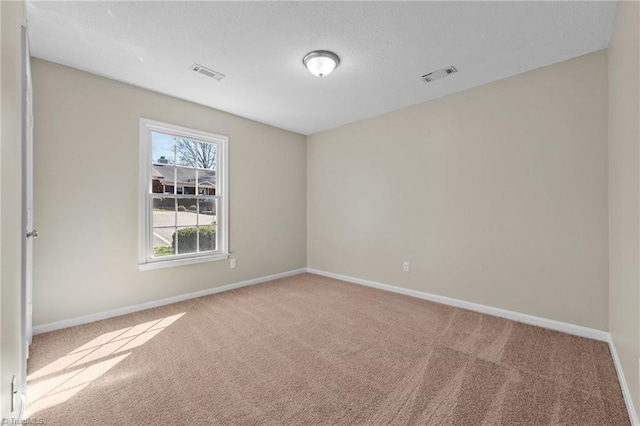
(27, 209)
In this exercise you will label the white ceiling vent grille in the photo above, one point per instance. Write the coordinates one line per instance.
(428, 78)
(207, 71)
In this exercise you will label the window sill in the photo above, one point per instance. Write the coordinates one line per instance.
(181, 262)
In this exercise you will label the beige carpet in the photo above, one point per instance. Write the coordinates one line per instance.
(309, 350)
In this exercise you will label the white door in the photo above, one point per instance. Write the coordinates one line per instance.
(27, 195)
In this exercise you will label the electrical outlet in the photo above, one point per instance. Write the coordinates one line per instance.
(233, 264)
(405, 266)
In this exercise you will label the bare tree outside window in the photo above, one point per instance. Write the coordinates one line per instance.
(195, 154)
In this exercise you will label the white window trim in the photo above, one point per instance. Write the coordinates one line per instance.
(145, 261)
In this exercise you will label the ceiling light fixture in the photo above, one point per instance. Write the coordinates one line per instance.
(321, 62)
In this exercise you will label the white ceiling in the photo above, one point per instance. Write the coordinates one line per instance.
(384, 47)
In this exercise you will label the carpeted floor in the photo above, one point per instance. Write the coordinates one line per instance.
(309, 350)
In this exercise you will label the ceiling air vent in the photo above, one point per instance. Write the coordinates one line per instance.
(206, 71)
(428, 78)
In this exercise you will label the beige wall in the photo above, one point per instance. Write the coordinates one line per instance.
(12, 18)
(496, 195)
(624, 191)
(86, 195)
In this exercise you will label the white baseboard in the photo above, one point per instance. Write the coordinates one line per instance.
(576, 330)
(44, 328)
(623, 384)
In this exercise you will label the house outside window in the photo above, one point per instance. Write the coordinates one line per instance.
(183, 195)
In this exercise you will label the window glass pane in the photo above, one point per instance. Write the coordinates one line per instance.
(186, 240)
(187, 211)
(162, 245)
(164, 212)
(162, 179)
(207, 238)
(186, 181)
(187, 152)
(206, 182)
(162, 151)
(207, 155)
(164, 221)
(207, 212)
(208, 223)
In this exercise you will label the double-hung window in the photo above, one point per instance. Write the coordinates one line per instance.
(183, 195)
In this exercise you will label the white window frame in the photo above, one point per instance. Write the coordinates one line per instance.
(146, 260)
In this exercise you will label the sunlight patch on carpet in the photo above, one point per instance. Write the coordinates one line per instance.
(63, 378)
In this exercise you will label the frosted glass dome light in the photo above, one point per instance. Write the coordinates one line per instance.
(321, 62)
